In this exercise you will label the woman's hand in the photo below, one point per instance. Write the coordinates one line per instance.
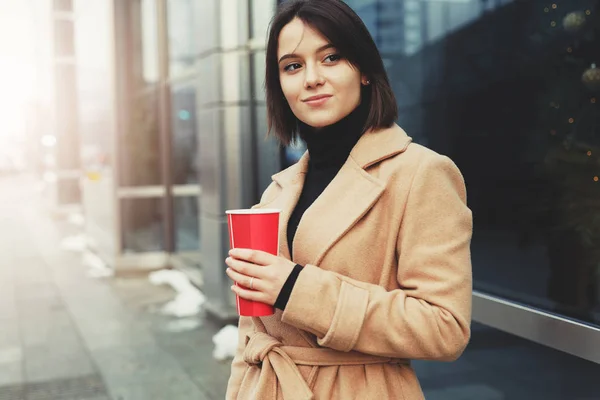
(263, 274)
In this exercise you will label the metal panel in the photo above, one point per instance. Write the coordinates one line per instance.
(551, 330)
(267, 151)
(206, 17)
(262, 12)
(258, 67)
(187, 190)
(238, 157)
(211, 173)
(236, 76)
(131, 192)
(216, 284)
(243, 15)
(234, 24)
(166, 137)
(209, 78)
(121, 47)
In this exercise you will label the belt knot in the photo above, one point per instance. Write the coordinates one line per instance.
(259, 346)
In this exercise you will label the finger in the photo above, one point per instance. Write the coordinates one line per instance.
(257, 257)
(245, 280)
(247, 294)
(245, 268)
(238, 278)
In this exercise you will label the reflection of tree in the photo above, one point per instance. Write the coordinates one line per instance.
(141, 166)
(573, 213)
(184, 142)
(570, 115)
(476, 95)
(141, 142)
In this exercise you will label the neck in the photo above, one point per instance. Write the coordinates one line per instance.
(330, 146)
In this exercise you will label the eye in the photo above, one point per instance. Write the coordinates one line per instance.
(333, 58)
(292, 67)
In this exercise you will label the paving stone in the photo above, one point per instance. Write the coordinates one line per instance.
(46, 362)
(47, 325)
(136, 364)
(52, 346)
(193, 350)
(159, 389)
(12, 392)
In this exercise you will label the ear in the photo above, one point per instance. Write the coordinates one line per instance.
(364, 80)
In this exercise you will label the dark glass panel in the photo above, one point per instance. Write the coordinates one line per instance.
(510, 91)
(143, 221)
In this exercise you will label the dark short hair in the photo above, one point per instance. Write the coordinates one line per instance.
(335, 20)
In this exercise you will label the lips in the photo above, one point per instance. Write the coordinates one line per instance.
(317, 100)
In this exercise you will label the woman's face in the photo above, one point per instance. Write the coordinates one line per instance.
(320, 86)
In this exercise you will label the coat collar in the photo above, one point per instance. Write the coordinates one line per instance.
(322, 225)
(374, 146)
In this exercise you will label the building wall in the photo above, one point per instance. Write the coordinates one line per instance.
(94, 51)
(231, 126)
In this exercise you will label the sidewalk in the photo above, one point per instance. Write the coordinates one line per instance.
(65, 335)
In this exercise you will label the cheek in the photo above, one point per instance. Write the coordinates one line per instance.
(352, 90)
(350, 81)
(289, 89)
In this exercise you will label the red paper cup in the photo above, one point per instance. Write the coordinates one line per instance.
(257, 230)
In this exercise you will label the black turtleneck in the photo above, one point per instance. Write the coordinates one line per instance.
(328, 149)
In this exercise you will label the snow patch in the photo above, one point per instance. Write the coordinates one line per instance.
(97, 267)
(189, 299)
(226, 341)
(76, 243)
(76, 219)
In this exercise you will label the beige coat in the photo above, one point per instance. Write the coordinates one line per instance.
(387, 279)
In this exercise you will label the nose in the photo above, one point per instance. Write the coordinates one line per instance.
(313, 77)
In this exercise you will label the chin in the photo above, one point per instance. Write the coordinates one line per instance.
(321, 122)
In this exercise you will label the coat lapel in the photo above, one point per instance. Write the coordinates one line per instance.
(348, 197)
(291, 181)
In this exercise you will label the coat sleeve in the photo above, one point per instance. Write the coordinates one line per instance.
(429, 316)
(238, 365)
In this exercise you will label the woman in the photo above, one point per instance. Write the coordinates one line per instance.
(377, 228)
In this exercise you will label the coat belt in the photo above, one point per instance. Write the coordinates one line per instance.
(280, 364)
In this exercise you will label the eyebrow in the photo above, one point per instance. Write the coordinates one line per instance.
(293, 55)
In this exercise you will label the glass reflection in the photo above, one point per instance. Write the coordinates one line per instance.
(182, 35)
(142, 224)
(140, 155)
(187, 235)
(509, 90)
(185, 149)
